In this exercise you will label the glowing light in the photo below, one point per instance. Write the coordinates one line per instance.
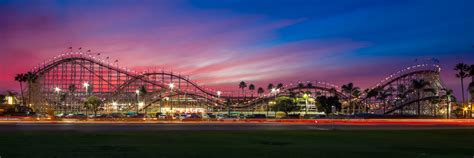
(85, 85)
(57, 89)
(305, 96)
(137, 91)
(171, 85)
(10, 100)
(219, 93)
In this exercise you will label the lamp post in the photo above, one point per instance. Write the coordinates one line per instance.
(86, 86)
(306, 96)
(138, 98)
(274, 91)
(218, 94)
(58, 91)
(171, 86)
(114, 106)
(218, 97)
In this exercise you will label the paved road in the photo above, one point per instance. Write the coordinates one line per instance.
(8, 127)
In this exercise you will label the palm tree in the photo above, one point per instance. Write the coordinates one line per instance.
(62, 99)
(279, 86)
(419, 86)
(21, 78)
(142, 90)
(251, 88)
(449, 99)
(260, 91)
(31, 78)
(382, 96)
(72, 88)
(270, 87)
(356, 95)
(471, 72)
(333, 91)
(300, 86)
(243, 85)
(461, 69)
(371, 93)
(471, 85)
(349, 89)
(402, 91)
(93, 103)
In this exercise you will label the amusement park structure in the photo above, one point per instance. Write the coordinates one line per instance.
(65, 82)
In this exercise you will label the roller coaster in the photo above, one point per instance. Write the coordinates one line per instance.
(66, 81)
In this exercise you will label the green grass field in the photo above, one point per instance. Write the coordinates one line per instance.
(225, 144)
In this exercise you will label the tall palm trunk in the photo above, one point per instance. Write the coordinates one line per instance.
(462, 90)
(29, 92)
(21, 91)
(418, 102)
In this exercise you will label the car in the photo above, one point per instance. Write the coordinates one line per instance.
(211, 116)
(138, 116)
(117, 115)
(182, 116)
(61, 115)
(194, 116)
(257, 116)
(162, 116)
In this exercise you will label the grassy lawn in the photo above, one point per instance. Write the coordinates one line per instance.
(206, 144)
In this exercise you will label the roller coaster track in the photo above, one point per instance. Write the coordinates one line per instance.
(409, 71)
(80, 58)
(87, 62)
(409, 103)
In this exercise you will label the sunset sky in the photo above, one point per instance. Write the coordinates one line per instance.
(220, 43)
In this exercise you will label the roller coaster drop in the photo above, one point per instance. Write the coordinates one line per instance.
(66, 81)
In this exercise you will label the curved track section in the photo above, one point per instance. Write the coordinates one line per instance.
(402, 97)
(65, 82)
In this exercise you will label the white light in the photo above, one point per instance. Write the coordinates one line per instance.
(219, 93)
(114, 104)
(85, 85)
(137, 91)
(171, 85)
(57, 89)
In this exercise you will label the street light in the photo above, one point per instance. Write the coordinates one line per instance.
(57, 90)
(219, 94)
(86, 85)
(274, 91)
(306, 96)
(171, 85)
(138, 99)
